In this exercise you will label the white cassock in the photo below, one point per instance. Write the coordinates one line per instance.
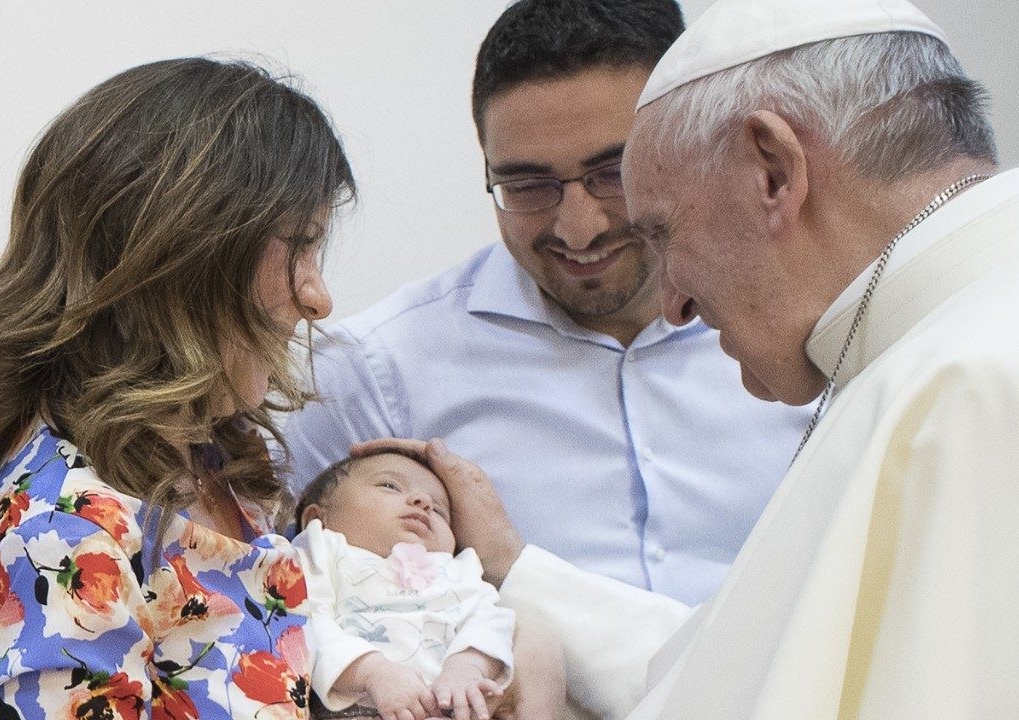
(882, 581)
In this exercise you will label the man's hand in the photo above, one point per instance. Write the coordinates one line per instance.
(397, 692)
(465, 684)
(479, 519)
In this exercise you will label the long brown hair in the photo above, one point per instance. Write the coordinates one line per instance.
(138, 224)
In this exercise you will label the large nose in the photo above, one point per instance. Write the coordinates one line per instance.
(316, 302)
(674, 303)
(580, 217)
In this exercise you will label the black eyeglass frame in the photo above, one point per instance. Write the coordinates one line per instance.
(558, 183)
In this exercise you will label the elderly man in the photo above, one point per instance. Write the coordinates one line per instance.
(617, 440)
(819, 178)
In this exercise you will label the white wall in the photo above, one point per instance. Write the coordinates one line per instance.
(395, 75)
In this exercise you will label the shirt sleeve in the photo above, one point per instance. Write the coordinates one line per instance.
(485, 626)
(71, 613)
(610, 631)
(321, 552)
(358, 401)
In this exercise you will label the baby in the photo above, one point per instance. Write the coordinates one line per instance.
(406, 629)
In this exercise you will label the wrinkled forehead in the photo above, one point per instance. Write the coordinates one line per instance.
(645, 148)
(644, 175)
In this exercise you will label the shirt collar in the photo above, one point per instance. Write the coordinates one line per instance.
(503, 287)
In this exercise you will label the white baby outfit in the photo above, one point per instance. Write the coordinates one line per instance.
(416, 607)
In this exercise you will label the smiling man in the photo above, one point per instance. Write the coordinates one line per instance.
(616, 439)
(570, 232)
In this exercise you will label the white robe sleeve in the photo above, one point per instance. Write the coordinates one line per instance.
(321, 552)
(609, 630)
(485, 626)
(936, 632)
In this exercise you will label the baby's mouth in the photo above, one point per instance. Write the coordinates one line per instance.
(419, 518)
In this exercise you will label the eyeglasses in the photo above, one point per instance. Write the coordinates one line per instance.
(542, 193)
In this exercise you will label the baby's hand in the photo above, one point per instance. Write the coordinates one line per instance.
(465, 683)
(397, 692)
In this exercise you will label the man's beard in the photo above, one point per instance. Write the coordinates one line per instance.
(593, 299)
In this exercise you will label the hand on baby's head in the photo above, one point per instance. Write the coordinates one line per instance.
(379, 501)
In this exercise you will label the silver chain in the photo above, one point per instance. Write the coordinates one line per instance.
(861, 309)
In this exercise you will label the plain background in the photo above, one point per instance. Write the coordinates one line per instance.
(395, 76)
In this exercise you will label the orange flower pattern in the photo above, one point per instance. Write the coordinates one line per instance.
(13, 503)
(93, 579)
(97, 622)
(278, 681)
(265, 677)
(170, 700)
(106, 511)
(284, 585)
(98, 696)
(12, 612)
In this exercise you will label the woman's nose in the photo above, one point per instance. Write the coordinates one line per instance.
(316, 302)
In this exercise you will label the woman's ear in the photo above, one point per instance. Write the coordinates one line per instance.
(311, 512)
(779, 165)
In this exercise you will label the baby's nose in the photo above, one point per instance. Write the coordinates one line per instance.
(421, 500)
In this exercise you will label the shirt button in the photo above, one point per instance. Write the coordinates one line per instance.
(631, 356)
(647, 454)
(656, 553)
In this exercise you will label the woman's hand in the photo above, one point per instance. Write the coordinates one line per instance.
(479, 519)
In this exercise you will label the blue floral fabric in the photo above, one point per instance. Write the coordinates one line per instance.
(97, 623)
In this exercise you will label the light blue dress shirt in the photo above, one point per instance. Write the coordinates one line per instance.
(648, 463)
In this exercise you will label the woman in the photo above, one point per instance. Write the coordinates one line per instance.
(165, 242)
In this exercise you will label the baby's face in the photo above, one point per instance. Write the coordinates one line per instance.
(387, 499)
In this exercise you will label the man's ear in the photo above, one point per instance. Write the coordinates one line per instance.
(779, 165)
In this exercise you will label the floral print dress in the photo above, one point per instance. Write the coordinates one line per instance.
(95, 624)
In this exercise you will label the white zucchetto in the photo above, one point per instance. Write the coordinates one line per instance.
(732, 32)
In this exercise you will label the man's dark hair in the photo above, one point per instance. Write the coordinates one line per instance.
(544, 39)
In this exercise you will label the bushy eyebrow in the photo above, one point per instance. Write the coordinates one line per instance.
(609, 154)
(519, 168)
(615, 152)
(649, 229)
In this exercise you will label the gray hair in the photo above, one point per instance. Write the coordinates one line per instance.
(889, 104)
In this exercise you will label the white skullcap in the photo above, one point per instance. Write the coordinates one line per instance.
(732, 32)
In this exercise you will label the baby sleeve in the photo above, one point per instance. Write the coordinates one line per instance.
(322, 552)
(484, 625)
